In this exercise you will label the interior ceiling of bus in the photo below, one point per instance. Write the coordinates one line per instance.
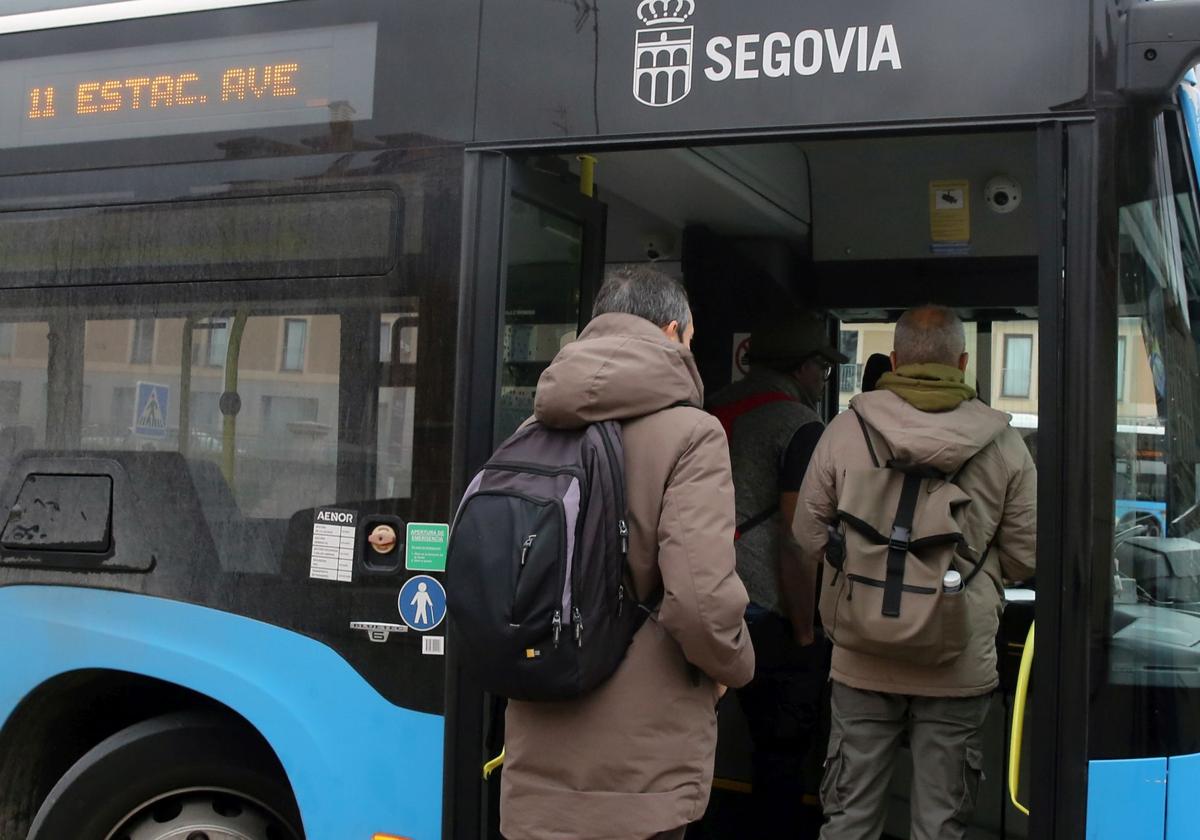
(851, 199)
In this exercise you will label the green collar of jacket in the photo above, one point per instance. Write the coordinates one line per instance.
(928, 387)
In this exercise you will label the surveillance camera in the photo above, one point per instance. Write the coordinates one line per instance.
(657, 246)
(1002, 194)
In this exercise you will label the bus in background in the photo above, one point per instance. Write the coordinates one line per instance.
(277, 275)
(1141, 469)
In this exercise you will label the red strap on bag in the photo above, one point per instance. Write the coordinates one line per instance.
(727, 414)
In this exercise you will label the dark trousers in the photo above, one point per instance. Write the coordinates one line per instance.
(782, 705)
(946, 736)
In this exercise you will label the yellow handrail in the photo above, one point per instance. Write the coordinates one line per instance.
(493, 765)
(229, 421)
(587, 175)
(1018, 723)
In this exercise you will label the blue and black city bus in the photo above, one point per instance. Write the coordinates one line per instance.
(276, 276)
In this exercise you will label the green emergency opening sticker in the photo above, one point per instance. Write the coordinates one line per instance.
(425, 546)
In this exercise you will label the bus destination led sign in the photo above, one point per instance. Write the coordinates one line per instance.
(291, 78)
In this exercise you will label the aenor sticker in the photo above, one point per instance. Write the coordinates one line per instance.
(433, 645)
(334, 533)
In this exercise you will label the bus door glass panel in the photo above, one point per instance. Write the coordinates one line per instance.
(552, 266)
(1150, 675)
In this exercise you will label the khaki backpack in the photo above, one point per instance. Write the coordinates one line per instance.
(897, 536)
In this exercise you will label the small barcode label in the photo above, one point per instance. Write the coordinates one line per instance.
(433, 645)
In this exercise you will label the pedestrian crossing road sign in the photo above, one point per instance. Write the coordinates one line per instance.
(422, 603)
(150, 410)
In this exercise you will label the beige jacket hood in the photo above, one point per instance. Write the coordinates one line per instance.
(1001, 520)
(944, 440)
(635, 756)
(621, 366)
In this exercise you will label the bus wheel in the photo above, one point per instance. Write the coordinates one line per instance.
(183, 776)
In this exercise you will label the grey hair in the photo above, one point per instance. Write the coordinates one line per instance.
(929, 334)
(645, 292)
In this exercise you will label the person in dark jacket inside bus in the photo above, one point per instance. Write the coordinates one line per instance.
(773, 424)
(877, 365)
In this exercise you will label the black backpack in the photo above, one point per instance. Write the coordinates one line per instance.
(537, 575)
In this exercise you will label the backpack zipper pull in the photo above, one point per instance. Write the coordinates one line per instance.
(525, 548)
(556, 623)
(620, 599)
(623, 530)
(578, 621)
(850, 591)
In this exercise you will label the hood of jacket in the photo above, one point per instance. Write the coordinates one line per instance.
(620, 367)
(944, 440)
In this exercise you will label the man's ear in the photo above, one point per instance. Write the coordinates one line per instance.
(894, 365)
(962, 361)
(671, 330)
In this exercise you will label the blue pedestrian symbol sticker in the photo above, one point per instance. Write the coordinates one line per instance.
(150, 410)
(422, 603)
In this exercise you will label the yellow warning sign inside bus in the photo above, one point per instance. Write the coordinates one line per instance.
(949, 215)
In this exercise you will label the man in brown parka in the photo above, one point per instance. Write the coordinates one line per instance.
(633, 759)
(926, 414)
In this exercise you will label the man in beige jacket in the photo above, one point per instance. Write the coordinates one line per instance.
(926, 415)
(633, 759)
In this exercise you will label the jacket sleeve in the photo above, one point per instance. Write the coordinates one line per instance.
(816, 507)
(1015, 542)
(704, 601)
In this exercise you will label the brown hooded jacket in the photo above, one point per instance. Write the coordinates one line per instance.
(635, 756)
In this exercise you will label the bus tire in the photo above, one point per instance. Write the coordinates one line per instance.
(160, 776)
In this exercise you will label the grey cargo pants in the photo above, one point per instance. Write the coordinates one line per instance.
(946, 734)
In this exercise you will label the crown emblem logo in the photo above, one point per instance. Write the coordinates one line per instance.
(660, 12)
(662, 58)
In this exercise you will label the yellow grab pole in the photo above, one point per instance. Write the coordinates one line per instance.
(229, 421)
(587, 175)
(1018, 723)
(493, 765)
(185, 385)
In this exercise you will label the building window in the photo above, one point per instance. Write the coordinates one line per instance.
(1018, 366)
(848, 373)
(142, 351)
(121, 411)
(295, 336)
(10, 404)
(385, 341)
(1121, 368)
(217, 346)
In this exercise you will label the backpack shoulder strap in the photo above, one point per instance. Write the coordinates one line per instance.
(901, 535)
(866, 432)
(898, 543)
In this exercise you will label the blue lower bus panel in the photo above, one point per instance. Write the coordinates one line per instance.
(1183, 797)
(1127, 799)
(357, 763)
